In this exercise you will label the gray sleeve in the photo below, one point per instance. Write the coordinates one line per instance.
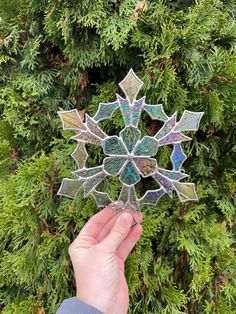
(76, 306)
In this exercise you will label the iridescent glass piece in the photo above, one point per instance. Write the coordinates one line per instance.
(130, 135)
(167, 127)
(88, 172)
(156, 112)
(105, 111)
(147, 147)
(113, 146)
(173, 138)
(131, 85)
(113, 165)
(177, 157)
(145, 165)
(151, 197)
(80, 155)
(101, 199)
(129, 175)
(71, 120)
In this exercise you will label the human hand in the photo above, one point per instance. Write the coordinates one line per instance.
(98, 255)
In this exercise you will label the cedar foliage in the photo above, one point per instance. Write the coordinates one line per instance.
(71, 54)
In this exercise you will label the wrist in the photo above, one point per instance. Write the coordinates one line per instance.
(97, 303)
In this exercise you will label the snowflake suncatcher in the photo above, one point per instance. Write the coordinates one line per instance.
(128, 155)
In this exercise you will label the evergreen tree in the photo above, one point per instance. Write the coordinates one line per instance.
(71, 54)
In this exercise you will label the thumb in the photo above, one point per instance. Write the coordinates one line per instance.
(118, 233)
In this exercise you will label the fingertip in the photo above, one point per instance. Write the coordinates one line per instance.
(125, 219)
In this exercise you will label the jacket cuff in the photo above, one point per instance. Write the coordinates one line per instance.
(76, 306)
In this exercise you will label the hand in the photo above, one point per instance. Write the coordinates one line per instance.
(98, 255)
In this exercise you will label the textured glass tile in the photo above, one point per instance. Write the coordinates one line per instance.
(88, 137)
(173, 138)
(91, 184)
(167, 127)
(127, 199)
(80, 155)
(145, 165)
(125, 109)
(136, 111)
(70, 187)
(71, 120)
(101, 199)
(130, 135)
(189, 121)
(173, 175)
(177, 157)
(147, 147)
(88, 172)
(105, 111)
(129, 174)
(164, 182)
(94, 128)
(113, 146)
(131, 85)
(185, 191)
(156, 112)
(113, 165)
(152, 197)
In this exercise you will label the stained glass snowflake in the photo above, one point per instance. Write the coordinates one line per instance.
(129, 156)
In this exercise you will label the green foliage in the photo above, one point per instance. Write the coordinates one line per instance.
(69, 54)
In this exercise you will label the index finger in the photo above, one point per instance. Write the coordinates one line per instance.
(96, 223)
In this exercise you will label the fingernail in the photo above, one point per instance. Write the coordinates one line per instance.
(126, 219)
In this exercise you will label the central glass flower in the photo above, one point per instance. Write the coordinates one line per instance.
(129, 156)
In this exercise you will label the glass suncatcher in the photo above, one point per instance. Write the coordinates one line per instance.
(129, 155)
